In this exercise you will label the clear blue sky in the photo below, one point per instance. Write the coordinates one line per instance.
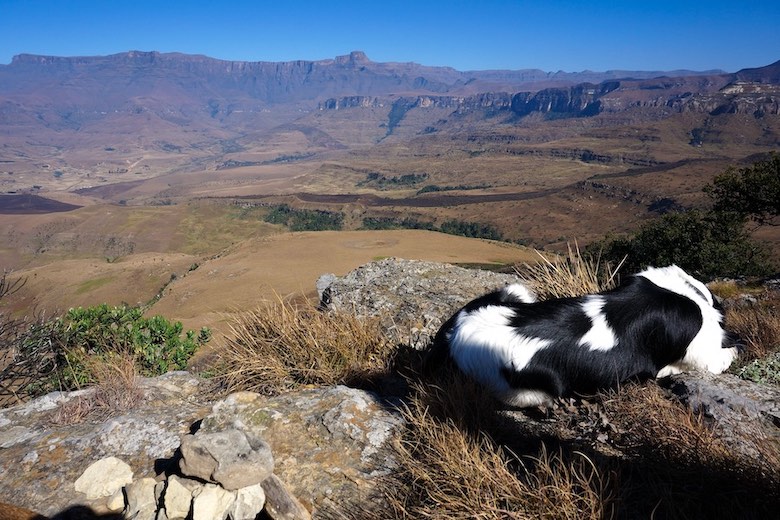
(467, 35)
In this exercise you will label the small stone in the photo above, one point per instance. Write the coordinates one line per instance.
(212, 503)
(177, 499)
(249, 503)
(231, 458)
(116, 503)
(104, 478)
(141, 499)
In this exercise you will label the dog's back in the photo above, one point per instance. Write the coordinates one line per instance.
(530, 352)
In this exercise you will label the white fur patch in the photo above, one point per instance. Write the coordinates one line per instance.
(482, 342)
(705, 350)
(527, 398)
(600, 336)
(520, 293)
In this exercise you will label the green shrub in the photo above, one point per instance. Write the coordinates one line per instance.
(471, 229)
(763, 371)
(60, 353)
(707, 245)
(750, 193)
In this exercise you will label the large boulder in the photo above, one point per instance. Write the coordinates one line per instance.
(412, 298)
(41, 459)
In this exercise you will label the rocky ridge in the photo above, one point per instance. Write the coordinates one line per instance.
(186, 452)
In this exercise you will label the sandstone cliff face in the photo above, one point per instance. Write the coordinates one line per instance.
(585, 100)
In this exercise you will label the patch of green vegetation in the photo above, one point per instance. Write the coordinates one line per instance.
(60, 352)
(451, 227)
(91, 285)
(305, 219)
(290, 158)
(382, 182)
(462, 187)
(380, 223)
(764, 371)
(471, 229)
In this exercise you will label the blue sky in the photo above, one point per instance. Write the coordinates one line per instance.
(467, 35)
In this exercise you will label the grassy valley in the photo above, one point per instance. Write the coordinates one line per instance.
(173, 186)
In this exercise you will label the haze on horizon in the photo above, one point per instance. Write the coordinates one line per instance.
(466, 35)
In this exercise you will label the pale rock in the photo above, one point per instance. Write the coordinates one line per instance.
(249, 503)
(14, 435)
(141, 499)
(212, 503)
(232, 458)
(116, 502)
(104, 478)
(177, 498)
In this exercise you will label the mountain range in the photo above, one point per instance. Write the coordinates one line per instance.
(150, 113)
(119, 172)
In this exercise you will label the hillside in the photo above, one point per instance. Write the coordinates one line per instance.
(141, 165)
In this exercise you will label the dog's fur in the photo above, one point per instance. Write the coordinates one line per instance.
(660, 321)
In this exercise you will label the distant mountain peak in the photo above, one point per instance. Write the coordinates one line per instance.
(356, 57)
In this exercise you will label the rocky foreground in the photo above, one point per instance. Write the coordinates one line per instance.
(186, 451)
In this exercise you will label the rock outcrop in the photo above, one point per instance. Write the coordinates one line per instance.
(184, 452)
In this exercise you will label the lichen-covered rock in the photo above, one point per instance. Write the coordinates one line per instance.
(412, 298)
(42, 459)
(232, 458)
(329, 444)
(740, 409)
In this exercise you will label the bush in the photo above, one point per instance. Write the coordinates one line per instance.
(751, 193)
(64, 353)
(707, 245)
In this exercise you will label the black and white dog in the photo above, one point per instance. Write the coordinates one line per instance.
(659, 322)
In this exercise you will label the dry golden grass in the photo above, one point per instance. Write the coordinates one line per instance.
(677, 465)
(282, 345)
(650, 420)
(115, 392)
(759, 328)
(562, 276)
(447, 471)
(454, 476)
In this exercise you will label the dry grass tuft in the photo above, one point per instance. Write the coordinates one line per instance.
(678, 465)
(282, 345)
(651, 420)
(116, 391)
(570, 275)
(758, 326)
(448, 472)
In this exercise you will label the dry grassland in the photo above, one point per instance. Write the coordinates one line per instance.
(289, 264)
